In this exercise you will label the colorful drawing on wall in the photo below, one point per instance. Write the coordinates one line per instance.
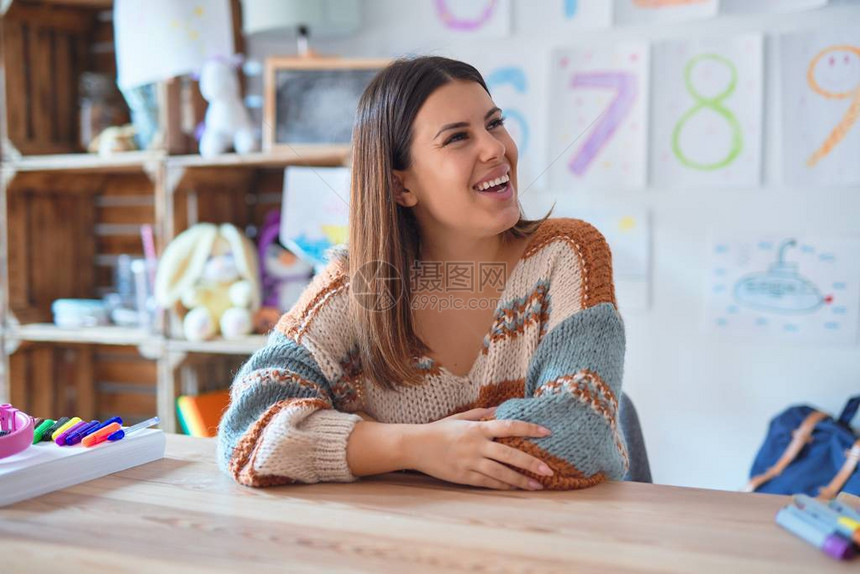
(559, 16)
(708, 111)
(478, 18)
(315, 211)
(628, 234)
(159, 39)
(598, 116)
(768, 6)
(642, 11)
(821, 106)
(517, 86)
(791, 288)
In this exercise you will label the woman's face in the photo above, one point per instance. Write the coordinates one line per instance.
(458, 141)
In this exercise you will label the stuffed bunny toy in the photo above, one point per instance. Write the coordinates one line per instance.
(227, 123)
(212, 271)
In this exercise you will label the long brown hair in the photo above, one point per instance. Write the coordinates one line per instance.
(384, 239)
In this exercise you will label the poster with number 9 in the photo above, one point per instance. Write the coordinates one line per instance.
(707, 112)
(598, 116)
(821, 106)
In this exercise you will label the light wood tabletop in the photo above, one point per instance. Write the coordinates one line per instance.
(180, 514)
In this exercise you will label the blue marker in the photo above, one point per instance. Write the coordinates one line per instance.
(844, 525)
(845, 510)
(78, 435)
(805, 526)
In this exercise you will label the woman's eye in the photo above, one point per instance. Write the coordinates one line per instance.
(493, 124)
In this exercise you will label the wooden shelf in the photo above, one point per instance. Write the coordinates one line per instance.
(298, 155)
(244, 346)
(88, 4)
(132, 161)
(108, 335)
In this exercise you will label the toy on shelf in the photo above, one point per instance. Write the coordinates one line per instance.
(283, 274)
(212, 271)
(227, 123)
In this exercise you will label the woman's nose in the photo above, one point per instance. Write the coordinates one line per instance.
(492, 148)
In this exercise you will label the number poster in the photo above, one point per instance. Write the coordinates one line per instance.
(598, 117)
(707, 112)
(821, 106)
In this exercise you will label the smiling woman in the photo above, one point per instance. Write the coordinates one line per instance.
(452, 336)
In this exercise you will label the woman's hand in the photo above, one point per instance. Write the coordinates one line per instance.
(461, 449)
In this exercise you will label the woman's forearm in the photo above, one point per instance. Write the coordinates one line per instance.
(377, 448)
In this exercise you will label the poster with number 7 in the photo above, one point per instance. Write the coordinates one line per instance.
(598, 116)
(821, 106)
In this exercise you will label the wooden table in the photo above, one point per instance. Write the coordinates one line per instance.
(181, 515)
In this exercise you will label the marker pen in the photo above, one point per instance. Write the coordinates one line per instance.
(69, 424)
(37, 434)
(804, 526)
(78, 435)
(46, 436)
(845, 510)
(844, 525)
(100, 435)
(61, 440)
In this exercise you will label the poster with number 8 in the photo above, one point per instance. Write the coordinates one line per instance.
(821, 106)
(708, 112)
(599, 116)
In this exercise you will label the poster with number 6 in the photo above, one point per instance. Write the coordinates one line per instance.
(707, 112)
(821, 105)
(599, 116)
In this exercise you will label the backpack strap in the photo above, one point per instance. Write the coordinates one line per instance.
(799, 437)
(849, 411)
(852, 459)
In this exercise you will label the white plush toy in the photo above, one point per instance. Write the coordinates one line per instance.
(213, 271)
(227, 123)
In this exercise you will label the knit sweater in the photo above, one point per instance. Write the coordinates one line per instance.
(553, 356)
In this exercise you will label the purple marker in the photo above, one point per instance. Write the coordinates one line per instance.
(815, 532)
(61, 440)
(78, 435)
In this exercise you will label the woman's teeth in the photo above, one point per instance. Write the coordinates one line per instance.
(492, 183)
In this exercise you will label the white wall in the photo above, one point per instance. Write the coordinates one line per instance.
(704, 402)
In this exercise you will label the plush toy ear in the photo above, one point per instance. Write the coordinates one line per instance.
(182, 262)
(246, 260)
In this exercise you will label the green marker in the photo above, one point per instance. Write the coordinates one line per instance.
(37, 434)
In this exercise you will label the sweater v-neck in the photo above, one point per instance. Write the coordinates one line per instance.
(503, 298)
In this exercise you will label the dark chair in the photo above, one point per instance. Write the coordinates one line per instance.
(640, 470)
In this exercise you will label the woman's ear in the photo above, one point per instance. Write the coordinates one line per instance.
(402, 195)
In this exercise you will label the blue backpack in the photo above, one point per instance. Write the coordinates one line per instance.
(807, 451)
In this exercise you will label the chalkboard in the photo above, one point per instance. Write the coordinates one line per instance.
(313, 101)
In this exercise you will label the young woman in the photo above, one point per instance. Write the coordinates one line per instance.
(451, 336)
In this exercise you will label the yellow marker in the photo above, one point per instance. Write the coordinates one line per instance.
(73, 421)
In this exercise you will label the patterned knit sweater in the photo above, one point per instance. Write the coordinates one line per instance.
(553, 356)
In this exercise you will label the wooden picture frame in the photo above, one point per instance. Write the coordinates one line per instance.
(311, 101)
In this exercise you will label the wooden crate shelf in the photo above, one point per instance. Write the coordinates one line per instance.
(244, 346)
(125, 162)
(314, 155)
(107, 335)
(66, 216)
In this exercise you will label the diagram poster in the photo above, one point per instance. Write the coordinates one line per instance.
(708, 112)
(785, 288)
